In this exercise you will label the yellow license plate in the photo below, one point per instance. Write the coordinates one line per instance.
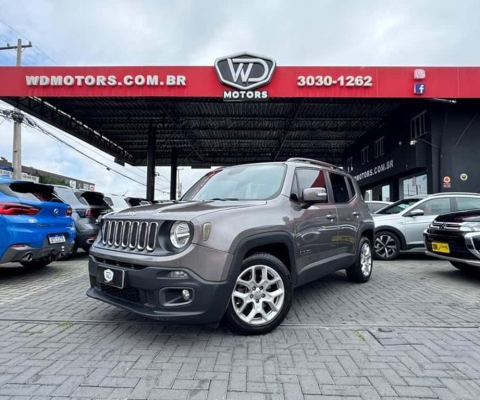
(441, 247)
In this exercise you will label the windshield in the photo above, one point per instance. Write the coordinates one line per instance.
(246, 182)
(398, 207)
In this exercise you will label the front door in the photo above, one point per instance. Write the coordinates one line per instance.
(414, 226)
(315, 226)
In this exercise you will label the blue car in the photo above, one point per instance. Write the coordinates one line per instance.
(36, 227)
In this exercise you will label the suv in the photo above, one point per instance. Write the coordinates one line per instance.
(400, 226)
(87, 207)
(236, 246)
(36, 227)
(455, 237)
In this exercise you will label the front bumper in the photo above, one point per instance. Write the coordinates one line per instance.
(454, 259)
(149, 292)
(26, 253)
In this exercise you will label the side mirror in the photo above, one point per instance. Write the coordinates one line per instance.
(315, 195)
(416, 213)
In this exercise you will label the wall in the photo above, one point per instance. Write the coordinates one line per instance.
(456, 135)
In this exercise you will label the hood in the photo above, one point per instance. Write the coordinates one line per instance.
(182, 211)
(469, 216)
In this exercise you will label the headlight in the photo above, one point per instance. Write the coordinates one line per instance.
(180, 234)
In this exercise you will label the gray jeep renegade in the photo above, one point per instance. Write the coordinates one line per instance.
(235, 246)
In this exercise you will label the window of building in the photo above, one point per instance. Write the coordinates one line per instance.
(378, 149)
(414, 186)
(350, 164)
(418, 126)
(340, 188)
(365, 155)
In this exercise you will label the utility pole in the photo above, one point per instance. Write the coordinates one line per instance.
(17, 117)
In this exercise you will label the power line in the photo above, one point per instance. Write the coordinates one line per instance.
(36, 47)
(8, 114)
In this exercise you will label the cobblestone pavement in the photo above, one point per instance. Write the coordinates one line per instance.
(411, 332)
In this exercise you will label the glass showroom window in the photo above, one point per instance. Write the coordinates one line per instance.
(414, 186)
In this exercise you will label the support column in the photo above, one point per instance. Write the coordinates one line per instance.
(173, 175)
(151, 153)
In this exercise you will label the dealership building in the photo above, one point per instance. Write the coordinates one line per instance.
(401, 131)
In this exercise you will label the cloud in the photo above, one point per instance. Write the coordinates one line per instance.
(150, 32)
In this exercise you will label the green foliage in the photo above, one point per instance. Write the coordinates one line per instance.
(50, 180)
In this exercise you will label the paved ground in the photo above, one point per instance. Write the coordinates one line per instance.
(411, 332)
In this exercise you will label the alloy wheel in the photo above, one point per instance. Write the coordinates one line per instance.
(258, 295)
(385, 246)
(366, 259)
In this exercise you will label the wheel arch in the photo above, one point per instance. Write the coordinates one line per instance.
(278, 244)
(395, 231)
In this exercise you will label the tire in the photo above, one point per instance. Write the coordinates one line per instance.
(37, 264)
(254, 294)
(387, 246)
(461, 266)
(86, 249)
(72, 253)
(361, 270)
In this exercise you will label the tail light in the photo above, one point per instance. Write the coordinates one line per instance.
(17, 209)
(88, 213)
(69, 212)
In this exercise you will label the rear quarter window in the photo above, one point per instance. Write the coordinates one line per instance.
(91, 199)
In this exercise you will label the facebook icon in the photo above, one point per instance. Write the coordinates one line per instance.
(419, 88)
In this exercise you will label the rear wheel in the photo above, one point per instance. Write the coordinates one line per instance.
(86, 249)
(387, 246)
(262, 296)
(73, 252)
(361, 270)
(36, 264)
(461, 266)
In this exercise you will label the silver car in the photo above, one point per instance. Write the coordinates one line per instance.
(400, 226)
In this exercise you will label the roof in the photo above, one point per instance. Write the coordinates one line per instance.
(210, 131)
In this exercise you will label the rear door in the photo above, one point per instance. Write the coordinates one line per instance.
(348, 214)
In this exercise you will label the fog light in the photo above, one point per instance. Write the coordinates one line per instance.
(177, 274)
(186, 295)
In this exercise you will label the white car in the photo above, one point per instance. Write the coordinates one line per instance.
(400, 226)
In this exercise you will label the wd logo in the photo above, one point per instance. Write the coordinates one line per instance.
(245, 71)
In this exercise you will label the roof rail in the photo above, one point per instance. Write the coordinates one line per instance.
(455, 193)
(316, 162)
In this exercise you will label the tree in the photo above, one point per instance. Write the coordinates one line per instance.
(51, 180)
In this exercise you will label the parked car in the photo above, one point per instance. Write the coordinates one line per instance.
(236, 246)
(397, 230)
(119, 202)
(87, 207)
(374, 205)
(455, 237)
(36, 227)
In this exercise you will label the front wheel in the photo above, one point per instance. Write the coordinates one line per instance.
(261, 297)
(361, 270)
(386, 246)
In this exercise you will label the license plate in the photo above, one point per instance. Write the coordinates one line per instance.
(440, 247)
(111, 276)
(55, 239)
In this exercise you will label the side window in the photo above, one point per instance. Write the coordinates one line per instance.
(467, 203)
(435, 206)
(309, 178)
(339, 187)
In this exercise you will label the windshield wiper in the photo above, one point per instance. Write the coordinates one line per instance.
(225, 198)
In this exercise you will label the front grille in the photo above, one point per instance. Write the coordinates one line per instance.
(128, 294)
(446, 225)
(130, 235)
(456, 243)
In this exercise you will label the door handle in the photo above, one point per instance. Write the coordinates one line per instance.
(356, 214)
(331, 216)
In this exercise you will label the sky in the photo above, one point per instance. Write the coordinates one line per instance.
(192, 32)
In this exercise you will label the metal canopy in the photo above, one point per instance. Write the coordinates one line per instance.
(211, 132)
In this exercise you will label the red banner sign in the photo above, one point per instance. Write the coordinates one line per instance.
(368, 82)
